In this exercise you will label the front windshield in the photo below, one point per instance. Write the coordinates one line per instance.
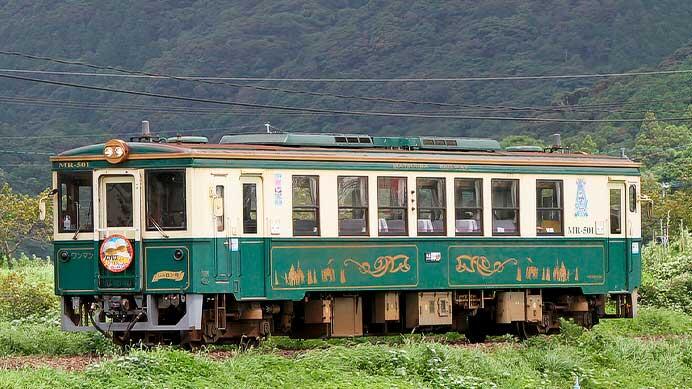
(74, 202)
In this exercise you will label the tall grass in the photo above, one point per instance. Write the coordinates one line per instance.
(667, 275)
(598, 357)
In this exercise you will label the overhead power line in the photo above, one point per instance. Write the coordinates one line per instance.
(224, 81)
(318, 110)
(71, 104)
(306, 79)
(104, 135)
(141, 74)
(23, 152)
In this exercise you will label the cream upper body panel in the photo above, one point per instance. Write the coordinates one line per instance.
(585, 202)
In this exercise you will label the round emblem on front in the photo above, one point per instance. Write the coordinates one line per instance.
(116, 253)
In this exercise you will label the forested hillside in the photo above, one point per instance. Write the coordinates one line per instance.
(337, 39)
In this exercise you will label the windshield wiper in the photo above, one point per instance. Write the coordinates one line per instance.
(76, 233)
(158, 227)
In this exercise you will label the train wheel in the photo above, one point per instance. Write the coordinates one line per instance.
(477, 329)
(526, 330)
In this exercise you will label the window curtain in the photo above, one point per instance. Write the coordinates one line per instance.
(399, 187)
(313, 190)
(437, 196)
(477, 185)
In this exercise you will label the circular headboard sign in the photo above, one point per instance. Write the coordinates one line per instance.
(116, 253)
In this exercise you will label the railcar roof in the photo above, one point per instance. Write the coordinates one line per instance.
(142, 151)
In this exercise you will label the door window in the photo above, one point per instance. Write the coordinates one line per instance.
(633, 198)
(616, 211)
(119, 204)
(219, 193)
(249, 208)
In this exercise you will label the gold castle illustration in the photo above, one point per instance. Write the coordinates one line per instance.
(382, 265)
(484, 267)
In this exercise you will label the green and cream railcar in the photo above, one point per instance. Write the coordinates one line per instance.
(329, 235)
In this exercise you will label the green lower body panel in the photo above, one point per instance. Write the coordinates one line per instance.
(288, 268)
(595, 265)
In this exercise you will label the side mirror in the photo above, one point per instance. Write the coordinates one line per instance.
(218, 206)
(648, 209)
(647, 205)
(42, 204)
(42, 209)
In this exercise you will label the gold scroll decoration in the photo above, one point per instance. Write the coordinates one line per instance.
(168, 275)
(481, 265)
(385, 264)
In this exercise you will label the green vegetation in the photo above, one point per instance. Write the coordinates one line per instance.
(341, 38)
(667, 281)
(20, 227)
(602, 358)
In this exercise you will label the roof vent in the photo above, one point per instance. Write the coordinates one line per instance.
(187, 139)
(145, 128)
(525, 148)
(556, 144)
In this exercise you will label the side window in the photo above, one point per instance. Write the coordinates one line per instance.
(432, 206)
(549, 208)
(74, 198)
(352, 195)
(219, 194)
(306, 211)
(249, 208)
(468, 206)
(615, 211)
(392, 203)
(165, 200)
(505, 199)
(633, 198)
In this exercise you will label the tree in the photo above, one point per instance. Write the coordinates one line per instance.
(585, 144)
(665, 149)
(19, 222)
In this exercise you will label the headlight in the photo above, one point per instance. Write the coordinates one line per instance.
(115, 151)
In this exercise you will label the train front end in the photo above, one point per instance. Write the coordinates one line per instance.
(122, 258)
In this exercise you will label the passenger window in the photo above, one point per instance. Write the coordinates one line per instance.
(74, 198)
(432, 206)
(119, 204)
(219, 194)
(549, 208)
(165, 200)
(615, 211)
(249, 208)
(352, 195)
(392, 200)
(306, 211)
(468, 202)
(633, 198)
(505, 199)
